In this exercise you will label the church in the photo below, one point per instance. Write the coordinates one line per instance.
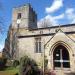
(55, 44)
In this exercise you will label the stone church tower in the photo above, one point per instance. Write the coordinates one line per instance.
(27, 16)
(24, 19)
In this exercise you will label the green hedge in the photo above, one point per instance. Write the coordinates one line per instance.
(2, 63)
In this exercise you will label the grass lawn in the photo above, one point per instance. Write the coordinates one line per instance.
(9, 71)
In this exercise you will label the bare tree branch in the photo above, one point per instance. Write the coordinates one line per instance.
(1, 18)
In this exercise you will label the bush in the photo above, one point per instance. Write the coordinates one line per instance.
(28, 66)
(2, 63)
(15, 63)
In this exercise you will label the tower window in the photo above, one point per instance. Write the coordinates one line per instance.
(19, 16)
(38, 45)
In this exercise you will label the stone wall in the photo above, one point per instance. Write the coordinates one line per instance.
(0, 54)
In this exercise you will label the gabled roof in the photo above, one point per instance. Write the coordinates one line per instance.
(59, 30)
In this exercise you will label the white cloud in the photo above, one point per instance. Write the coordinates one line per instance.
(55, 6)
(61, 16)
(49, 20)
(73, 21)
(70, 13)
(1, 47)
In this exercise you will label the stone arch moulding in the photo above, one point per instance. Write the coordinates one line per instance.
(60, 43)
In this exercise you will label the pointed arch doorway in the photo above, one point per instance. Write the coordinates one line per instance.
(61, 57)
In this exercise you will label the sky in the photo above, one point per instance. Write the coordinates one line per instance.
(53, 12)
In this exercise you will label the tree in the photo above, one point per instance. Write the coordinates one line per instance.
(15, 63)
(28, 66)
(46, 22)
(1, 18)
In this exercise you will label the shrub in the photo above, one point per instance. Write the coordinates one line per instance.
(28, 66)
(15, 63)
(2, 63)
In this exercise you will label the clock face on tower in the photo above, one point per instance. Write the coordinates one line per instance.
(18, 21)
